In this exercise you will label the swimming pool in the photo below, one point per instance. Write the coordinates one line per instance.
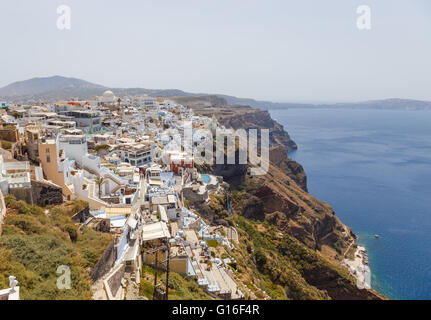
(205, 178)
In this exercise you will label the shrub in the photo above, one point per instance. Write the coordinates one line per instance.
(146, 289)
(260, 258)
(6, 145)
(337, 247)
(72, 231)
(186, 289)
(26, 223)
(33, 245)
(22, 206)
(212, 243)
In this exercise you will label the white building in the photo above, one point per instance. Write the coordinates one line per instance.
(75, 146)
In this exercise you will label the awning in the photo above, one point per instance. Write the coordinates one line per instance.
(155, 231)
(163, 215)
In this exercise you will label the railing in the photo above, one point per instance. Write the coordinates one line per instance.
(17, 165)
(113, 176)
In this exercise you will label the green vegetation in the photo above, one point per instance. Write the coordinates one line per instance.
(34, 244)
(179, 288)
(212, 243)
(6, 144)
(351, 252)
(148, 270)
(337, 247)
(187, 203)
(281, 266)
(184, 289)
(218, 204)
(146, 289)
(99, 182)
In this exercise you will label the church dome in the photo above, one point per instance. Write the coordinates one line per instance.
(108, 96)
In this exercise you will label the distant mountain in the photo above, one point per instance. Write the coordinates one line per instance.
(49, 87)
(390, 104)
(264, 105)
(393, 104)
(56, 88)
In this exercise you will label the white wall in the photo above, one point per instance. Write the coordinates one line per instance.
(74, 151)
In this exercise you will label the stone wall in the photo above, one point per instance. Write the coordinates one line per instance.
(45, 194)
(105, 263)
(99, 224)
(24, 194)
(82, 216)
(115, 200)
(193, 196)
(40, 193)
(10, 135)
(114, 281)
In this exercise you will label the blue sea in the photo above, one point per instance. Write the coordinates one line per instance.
(374, 168)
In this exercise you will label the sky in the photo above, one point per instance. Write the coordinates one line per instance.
(278, 50)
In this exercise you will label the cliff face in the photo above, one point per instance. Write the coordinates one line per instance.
(279, 140)
(277, 198)
(295, 171)
(280, 199)
(246, 118)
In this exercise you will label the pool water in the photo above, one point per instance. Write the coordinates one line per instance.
(205, 178)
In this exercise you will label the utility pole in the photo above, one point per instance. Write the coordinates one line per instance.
(167, 268)
(155, 274)
(156, 263)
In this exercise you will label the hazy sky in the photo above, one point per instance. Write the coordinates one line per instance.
(276, 50)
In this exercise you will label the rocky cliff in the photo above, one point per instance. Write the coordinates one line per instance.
(280, 199)
(279, 140)
(281, 196)
(247, 118)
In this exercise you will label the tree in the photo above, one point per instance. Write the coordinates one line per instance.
(260, 258)
(100, 181)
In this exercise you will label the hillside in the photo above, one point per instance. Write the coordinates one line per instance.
(51, 89)
(56, 85)
(34, 244)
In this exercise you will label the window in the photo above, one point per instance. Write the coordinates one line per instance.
(47, 150)
(48, 159)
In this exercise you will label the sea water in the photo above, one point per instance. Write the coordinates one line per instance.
(374, 168)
